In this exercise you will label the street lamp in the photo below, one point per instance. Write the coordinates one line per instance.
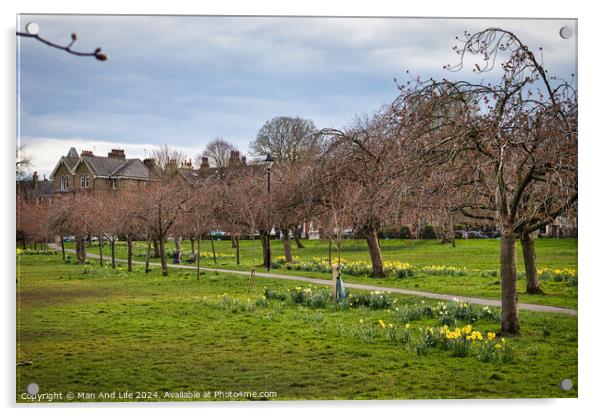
(269, 161)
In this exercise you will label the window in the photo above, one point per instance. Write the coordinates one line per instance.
(84, 181)
(64, 183)
(114, 183)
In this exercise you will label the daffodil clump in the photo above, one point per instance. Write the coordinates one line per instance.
(460, 341)
(445, 270)
(30, 252)
(374, 300)
(203, 254)
(457, 310)
(310, 296)
(559, 275)
(348, 267)
(234, 304)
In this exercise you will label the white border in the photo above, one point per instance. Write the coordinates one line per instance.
(589, 160)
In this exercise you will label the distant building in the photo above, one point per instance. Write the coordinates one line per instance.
(92, 173)
(88, 172)
(35, 190)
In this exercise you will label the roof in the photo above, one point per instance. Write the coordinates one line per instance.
(193, 176)
(116, 168)
(43, 189)
(73, 153)
(102, 166)
(70, 162)
(135, 169)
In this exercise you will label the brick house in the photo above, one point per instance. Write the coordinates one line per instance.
(88, 172)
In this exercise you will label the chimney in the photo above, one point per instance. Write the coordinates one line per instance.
(187, 164)
(117, 153)
(204, 162)
(87, 153)
(34, 179)
(151, 165)
(234, 158)
(170, 166)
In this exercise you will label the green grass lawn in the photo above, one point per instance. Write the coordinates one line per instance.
(474, 255)
(92, 329)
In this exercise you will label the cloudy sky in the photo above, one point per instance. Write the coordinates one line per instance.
(187, 80)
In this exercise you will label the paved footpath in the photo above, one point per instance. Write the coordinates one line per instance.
(430, 295)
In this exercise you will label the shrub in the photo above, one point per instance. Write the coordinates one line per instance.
(405, 232)
(372, 300)
(428, 232)
(413, 313)
(261, 302)
(274, 294)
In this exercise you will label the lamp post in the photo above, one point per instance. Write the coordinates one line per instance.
(269, 161)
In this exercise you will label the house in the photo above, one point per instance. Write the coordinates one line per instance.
(88, 172)
(194, 177)
(34, 190)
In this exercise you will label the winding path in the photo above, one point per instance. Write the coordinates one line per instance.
(419, 293)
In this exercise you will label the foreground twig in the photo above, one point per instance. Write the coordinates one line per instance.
(97, 52)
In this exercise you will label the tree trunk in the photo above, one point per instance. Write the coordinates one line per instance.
(213, 249)
(157, 249)
(147, 263)
(81, 249)
(129, 253)
(529, 257)
(192, 245)
(113, 252)
(330, 251)
(286, 242)
(509, 291)
(162, 255)
(297, 236)
(177, 241)
(378, 268)
(100, 247)
(237, 250)
(198, 259)
(264, 246)
(62, 247)
(233, 240)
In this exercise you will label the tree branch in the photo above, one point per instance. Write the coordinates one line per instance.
(97, 52)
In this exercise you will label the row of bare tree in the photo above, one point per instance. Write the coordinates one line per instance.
(502, 153)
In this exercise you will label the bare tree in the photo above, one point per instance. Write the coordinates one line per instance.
(511, 152)
(218, 152)
(165, 154)
(163, 206)
(23, 162)
(374, 158)
(288, 140)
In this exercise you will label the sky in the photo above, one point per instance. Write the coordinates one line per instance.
(186, 80)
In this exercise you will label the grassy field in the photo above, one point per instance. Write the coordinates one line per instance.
(474, 255)
(90, 329)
